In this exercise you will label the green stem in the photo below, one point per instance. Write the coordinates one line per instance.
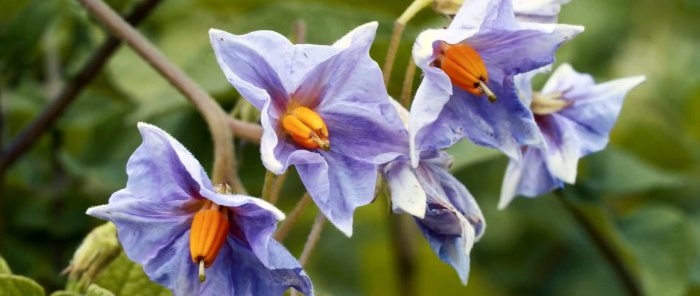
(399, 26)
(292, 217)
(608, 252)
(408, 84)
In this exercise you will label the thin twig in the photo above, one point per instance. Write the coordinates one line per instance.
(214, 115)
(267, 185)
(391, 51)
(312, 240)
(299, 32)
(609, 254)
(277, 187)
(89, 71)
(292, 217)
(404, 252)
(408, 83)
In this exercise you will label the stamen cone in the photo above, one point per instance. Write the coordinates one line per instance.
(209, 230)
(306, 128)
(466, 69)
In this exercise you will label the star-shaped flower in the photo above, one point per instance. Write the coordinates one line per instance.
(172, 221)
(468, 89)
(575, 116)
(323, 109)
(538, 11)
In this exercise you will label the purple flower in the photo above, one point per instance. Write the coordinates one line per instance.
(468, 88)
(324, 109)
(574, 116)
(161, 214)
(444, 210)
(452, 220)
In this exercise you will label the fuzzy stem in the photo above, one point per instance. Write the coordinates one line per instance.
(267, 185)
(627, 281)
(277, 187)
(292, 217)
(216, 118)
(408, 83)
(70, 91)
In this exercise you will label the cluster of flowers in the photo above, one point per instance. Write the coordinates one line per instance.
(325, 110)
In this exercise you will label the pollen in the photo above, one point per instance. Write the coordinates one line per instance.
(208, 233)
(306, 128)
(466, 69)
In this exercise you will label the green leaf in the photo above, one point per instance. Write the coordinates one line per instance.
(4, 268)
(126, 278)
(663, 243)
(466, 153)
(14, 285)
(616, 171)
(65, 293)
(95, 290)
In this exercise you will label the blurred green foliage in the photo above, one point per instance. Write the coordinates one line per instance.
(642, 192)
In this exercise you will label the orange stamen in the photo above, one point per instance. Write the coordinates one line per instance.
(306, 128)
(465, 68)
(208, 233)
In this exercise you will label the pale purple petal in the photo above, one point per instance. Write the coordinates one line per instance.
(251, 277)
(583, 127)
(507, 50)
(164, 187)
(369, 131)
(453, 220)
(236, 271)
(528, 177)
(505, 124)
(338, 185)
(407, 194)
(540, 11)
(145, 228)
(485, 15)
(253, 218)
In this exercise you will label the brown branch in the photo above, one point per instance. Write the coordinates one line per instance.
(66, 96)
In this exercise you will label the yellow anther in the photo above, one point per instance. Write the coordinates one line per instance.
(306, 128)
(465, 68)
(208, 233)
(543, 104)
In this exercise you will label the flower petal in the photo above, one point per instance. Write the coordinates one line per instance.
(338, 185)
(253, 74)
(529, 177)
(236, 271)
(485, 15)
(540, 11)
(584, 127)
(407, 194)
(251, 277)
(505, 124)
(145, 229)
(164, 188)
(453, 220)
(368, 131)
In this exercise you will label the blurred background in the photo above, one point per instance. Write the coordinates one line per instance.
(642, 192)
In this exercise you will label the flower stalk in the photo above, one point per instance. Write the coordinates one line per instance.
(399, 26)
(217, 120)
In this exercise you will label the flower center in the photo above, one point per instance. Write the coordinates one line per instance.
(306, 128)
(543, 104)
(465, 68)
(208, 233)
